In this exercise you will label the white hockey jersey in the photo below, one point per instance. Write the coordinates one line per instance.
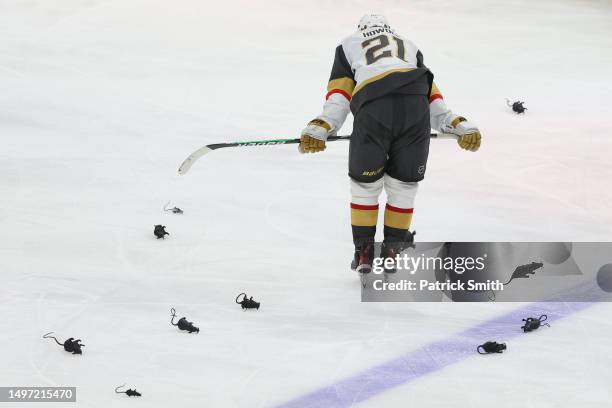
(372, 63)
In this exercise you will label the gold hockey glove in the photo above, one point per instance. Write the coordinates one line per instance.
(314, 136)
(469, 135)
(470, 141)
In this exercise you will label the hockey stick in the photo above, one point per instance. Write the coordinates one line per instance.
(193, 157)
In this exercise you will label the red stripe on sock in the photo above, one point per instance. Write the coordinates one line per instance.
(434, 97)
(399, 210)
(364, 207)
(340, 91)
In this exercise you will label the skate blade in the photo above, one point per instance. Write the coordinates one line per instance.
(364, 272)
(388, 275)
(363, 277)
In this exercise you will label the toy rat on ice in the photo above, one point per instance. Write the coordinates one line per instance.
(516, 106)
(491, 347)
(129, 392)
(183, 324)
(160, 231)
(173, 210)
(71, 345)
(247, 303)
(533, 323)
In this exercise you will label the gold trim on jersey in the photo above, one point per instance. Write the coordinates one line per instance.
(345, 84)
(434, 90)
(380, 76)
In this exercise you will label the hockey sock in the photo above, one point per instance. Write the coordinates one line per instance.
(398, 212)
(364, 210)
(363, 222)
(397, 223)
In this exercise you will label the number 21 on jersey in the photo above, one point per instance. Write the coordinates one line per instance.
(375, 48)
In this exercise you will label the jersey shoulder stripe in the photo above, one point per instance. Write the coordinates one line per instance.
(341, 79)
(343, 86)
(434, 93)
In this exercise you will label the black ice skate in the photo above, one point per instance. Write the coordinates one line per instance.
(364, 255)
(390, 250)
(362, 261)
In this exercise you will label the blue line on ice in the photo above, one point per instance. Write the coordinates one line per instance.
(437, 355)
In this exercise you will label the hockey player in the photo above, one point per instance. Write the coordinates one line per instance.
(380, 76)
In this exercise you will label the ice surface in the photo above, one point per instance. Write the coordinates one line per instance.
(100, 101)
